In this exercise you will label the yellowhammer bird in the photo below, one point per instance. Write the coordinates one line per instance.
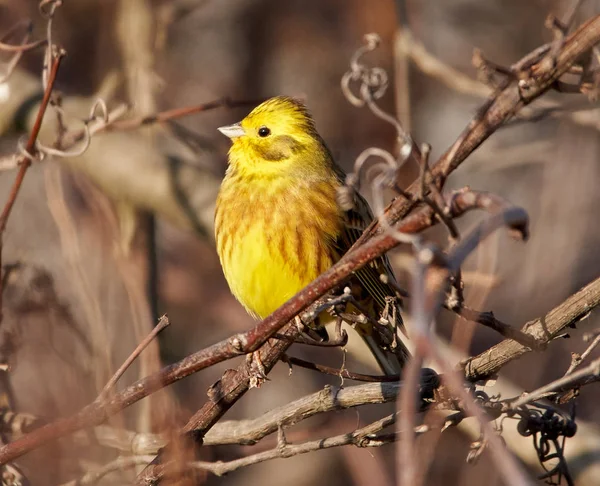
(278, 224)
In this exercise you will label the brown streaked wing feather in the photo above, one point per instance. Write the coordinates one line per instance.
(357, 221)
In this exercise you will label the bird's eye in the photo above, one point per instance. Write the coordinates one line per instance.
(264, 131)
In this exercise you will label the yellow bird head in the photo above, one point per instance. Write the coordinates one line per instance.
(277, 134)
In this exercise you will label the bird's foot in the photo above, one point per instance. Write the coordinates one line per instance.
(258, 372)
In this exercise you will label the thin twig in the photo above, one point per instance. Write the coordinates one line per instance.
(592, 370)
(327, 370)
(162, 324)
(363, 437)
(168, 115)
(543, 329)
(119, 464)
(579, 358)
(22, 47)
(24, 159)
(29, 150)
(487, 319)
(431, 285)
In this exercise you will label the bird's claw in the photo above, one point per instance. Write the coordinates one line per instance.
(258, 372)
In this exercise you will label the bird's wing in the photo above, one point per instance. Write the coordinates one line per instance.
(356, 221)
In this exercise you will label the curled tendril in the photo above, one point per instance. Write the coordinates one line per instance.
(98, 104)
(16, 57)
(380, 183)
(346, 193)
(386, 168)
(48, 7)
(98, 113)
(372, 83)
(74, 152)
(11, 65)
(23, 152)
(362, 86)
(391, 165)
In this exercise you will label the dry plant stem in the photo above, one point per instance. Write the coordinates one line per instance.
(433, 67)
(118, 464)
(431, 281)
(487, 319)
(430, 288)
(168, 115)
(251, 431)
(513, 473)
(327, 370)
(407, 461)
(98, 412)
(407, 464)
(162, 324)
(362, 437)
(114, 122)
(24, 160)
(499, 108)
(234, 385)
(221, 397)
(577, 359)
(21, 47)
(568, 381)
(544, 330)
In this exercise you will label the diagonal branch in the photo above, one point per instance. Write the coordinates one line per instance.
(544, 329)
(499, 108)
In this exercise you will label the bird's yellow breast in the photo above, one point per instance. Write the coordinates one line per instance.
(274, 237)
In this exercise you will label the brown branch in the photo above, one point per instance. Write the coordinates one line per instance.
(328, 370)
(435, 68)
(24, 160)
(119, 464)
(236, 383)
(459, 202)
(487, 319)
(331, 398)
(592, 371)
(241, 432)
(362, 437)
(162, 324)
(543, 329)
(431, 283)
(168, 115)
(501, 107)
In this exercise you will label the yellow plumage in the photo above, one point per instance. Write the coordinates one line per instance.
(278, 225)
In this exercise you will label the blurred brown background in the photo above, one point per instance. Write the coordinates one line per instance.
(75, 223)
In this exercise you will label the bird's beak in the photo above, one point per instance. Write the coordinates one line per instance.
(232, 131)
